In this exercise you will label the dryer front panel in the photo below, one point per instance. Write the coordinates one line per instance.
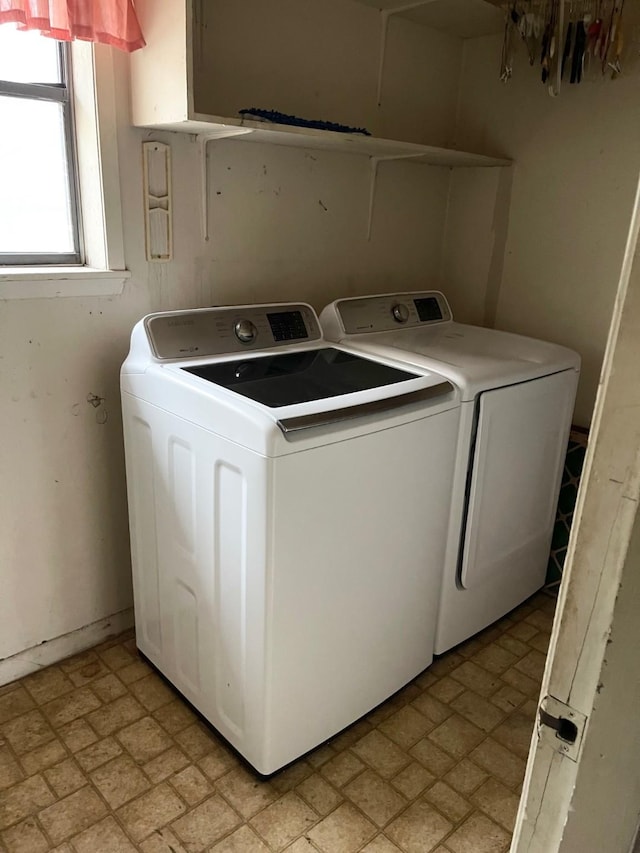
(521, 441)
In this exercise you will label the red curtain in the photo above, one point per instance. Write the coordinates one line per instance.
(111, 22)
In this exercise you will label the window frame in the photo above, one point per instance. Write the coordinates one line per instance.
(101, 110)
(58, 93)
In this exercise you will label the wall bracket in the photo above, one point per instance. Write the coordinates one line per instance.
(202, 140)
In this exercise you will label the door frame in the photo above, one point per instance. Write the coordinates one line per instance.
(602, 529)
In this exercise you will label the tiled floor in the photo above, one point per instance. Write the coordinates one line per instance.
(98, 755)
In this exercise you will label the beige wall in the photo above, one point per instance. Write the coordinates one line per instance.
(285, 224)
(577, 158)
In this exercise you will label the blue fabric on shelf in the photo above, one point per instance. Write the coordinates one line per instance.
(282, 118)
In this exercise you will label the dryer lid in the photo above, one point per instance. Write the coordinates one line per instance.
(286, 379)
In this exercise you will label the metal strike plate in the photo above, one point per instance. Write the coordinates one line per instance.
(561, 727)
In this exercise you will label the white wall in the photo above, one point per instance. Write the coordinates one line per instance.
(286, 224)
(577, 158)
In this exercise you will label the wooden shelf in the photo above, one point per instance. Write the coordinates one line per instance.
(216, 127)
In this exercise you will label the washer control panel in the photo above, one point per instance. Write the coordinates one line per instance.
(398, 310)
(218, 331)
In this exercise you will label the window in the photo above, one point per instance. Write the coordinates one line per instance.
(39, 221)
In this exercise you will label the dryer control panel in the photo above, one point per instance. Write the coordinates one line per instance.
(392, 311)
(221, 331)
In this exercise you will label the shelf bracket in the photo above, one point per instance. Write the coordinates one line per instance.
(202, 140)
(385, 14)
(374, 163)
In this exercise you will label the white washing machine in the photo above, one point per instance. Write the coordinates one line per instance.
(282, 495)
(518, 396)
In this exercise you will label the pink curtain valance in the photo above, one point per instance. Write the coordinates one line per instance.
(111, 22)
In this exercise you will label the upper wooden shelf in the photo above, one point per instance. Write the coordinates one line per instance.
(216, 127)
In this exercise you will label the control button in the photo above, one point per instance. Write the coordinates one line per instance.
(400, 313)
(245, 331)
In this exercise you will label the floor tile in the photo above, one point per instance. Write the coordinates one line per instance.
(431, 708)
(43, 756)
(375, 797)
(446, 689)
(162, 841)
(192, 785)
(88, 673)
(436, 769)
(48, 684)
(15, 703)
(498, 802)
(412, 780)
(434, 759)
(65, 778)
(25, 837)
(287, 779)
(284, 821)
(71, 815)
(477, 710)
(98, 753)
(419, 829)
(319, 794)
(507, 698)
(381, 753)
(174, 716)
(532, 665)
(24, 799)
(27, 732)
(406, 727)
(119, 781)
(345, 829)
(218, 761)
(475, 678)
(515, 734)
(196, 741)
(109, 688)
(77, 735)
(203, 826)
(381, 844)
(243, 840)
(144, 739)
(151, 811)
(71, 706)
(478, 834)
(105, 837)
(342, 768)
(499, 762)
(152, 692)
(115, 715)
(495, 658)
(165, 765)
(10, 770)
(448, 802)
(457, 736)
(247, 794)
(465, 777)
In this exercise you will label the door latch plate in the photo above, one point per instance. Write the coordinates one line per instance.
(561, 727)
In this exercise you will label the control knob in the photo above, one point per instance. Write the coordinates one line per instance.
(400, 313)
(245, 331)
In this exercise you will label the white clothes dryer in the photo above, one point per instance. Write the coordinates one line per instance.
(272, 479)
(518, 396)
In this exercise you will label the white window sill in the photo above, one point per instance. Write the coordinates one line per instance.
(56, 282)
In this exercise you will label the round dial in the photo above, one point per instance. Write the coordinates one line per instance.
(245, 331)
(400, 313)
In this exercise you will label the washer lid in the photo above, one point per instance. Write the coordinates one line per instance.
(300, 377)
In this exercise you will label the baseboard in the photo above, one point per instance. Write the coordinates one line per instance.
(51, 651)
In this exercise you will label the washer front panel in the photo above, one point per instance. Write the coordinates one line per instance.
(392, 312)
(218, 331)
